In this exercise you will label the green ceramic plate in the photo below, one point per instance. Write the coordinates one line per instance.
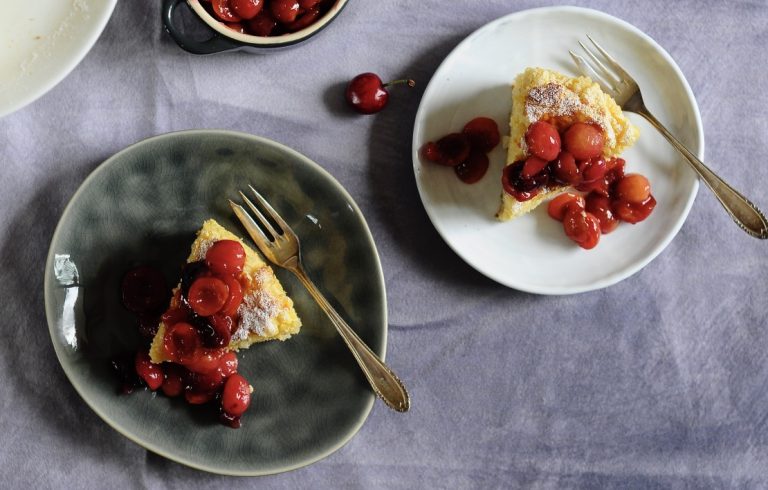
(144, 205)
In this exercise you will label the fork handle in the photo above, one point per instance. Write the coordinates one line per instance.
(741, 209)
(385, 384)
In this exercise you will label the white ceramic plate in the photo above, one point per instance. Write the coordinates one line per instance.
(41, 42)
(531, 253)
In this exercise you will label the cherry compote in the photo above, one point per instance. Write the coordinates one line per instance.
(632, 212)
(582, 227)
(565, 170)
(246, 9)
(268, 17)
(600, 206)
(563, 203)
(483, 134)
(473, 169)
(574, 157)
(144, 290)
(612, 198)
(199, 326)
(467, 151)
(452, 149)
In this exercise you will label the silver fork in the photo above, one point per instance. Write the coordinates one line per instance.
(281, 246)
(623, 88)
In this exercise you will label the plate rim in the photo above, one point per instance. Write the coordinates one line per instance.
(103, 415)
(65, 68)
(610, 279)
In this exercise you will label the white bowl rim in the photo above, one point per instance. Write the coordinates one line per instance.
(89, 39)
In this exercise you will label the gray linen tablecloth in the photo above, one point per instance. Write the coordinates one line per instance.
(660, 381)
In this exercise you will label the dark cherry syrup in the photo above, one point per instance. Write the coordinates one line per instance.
(199, 326)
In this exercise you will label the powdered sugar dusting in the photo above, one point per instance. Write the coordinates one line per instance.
(256, 316)
(551, 100)
(258, 310)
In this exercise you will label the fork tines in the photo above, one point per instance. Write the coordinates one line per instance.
(271, 226)
(611, 76)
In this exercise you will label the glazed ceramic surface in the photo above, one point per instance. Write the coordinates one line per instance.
(143, 206)
(532, 253)
(41, 42)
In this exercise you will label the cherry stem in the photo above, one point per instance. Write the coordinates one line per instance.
(406, 81)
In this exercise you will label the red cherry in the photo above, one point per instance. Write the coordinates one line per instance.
(223, 11)
(431, 152)
(600, 206)
(633, 188)
(633, 212)
(236, 26)
(533, 174)
(210, 335)
(593, 225)
(565, 170)
(368, 95)
(236, 396)
(308, 4)
(582, 227)
(473, 169)
(144, 290)
(181, 342)
(235, 296)
(483, 134)
(246, 9)
(204, 361)
(450, 150)
(174, 316)
(228, 364)
(599, 186)
(454, 149)
(173, 384)
(304, 20)
(615, 170)
(225, 257)
(151, 373)
(532, 167)
(584, 141)
(220, 331)
(508, 176)
(563, 203)
(198, 397)
(543, 140)
(207, 295)
(521, 189)
(593, 169)
(284, 11)
(209, 382)
(262, 25)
